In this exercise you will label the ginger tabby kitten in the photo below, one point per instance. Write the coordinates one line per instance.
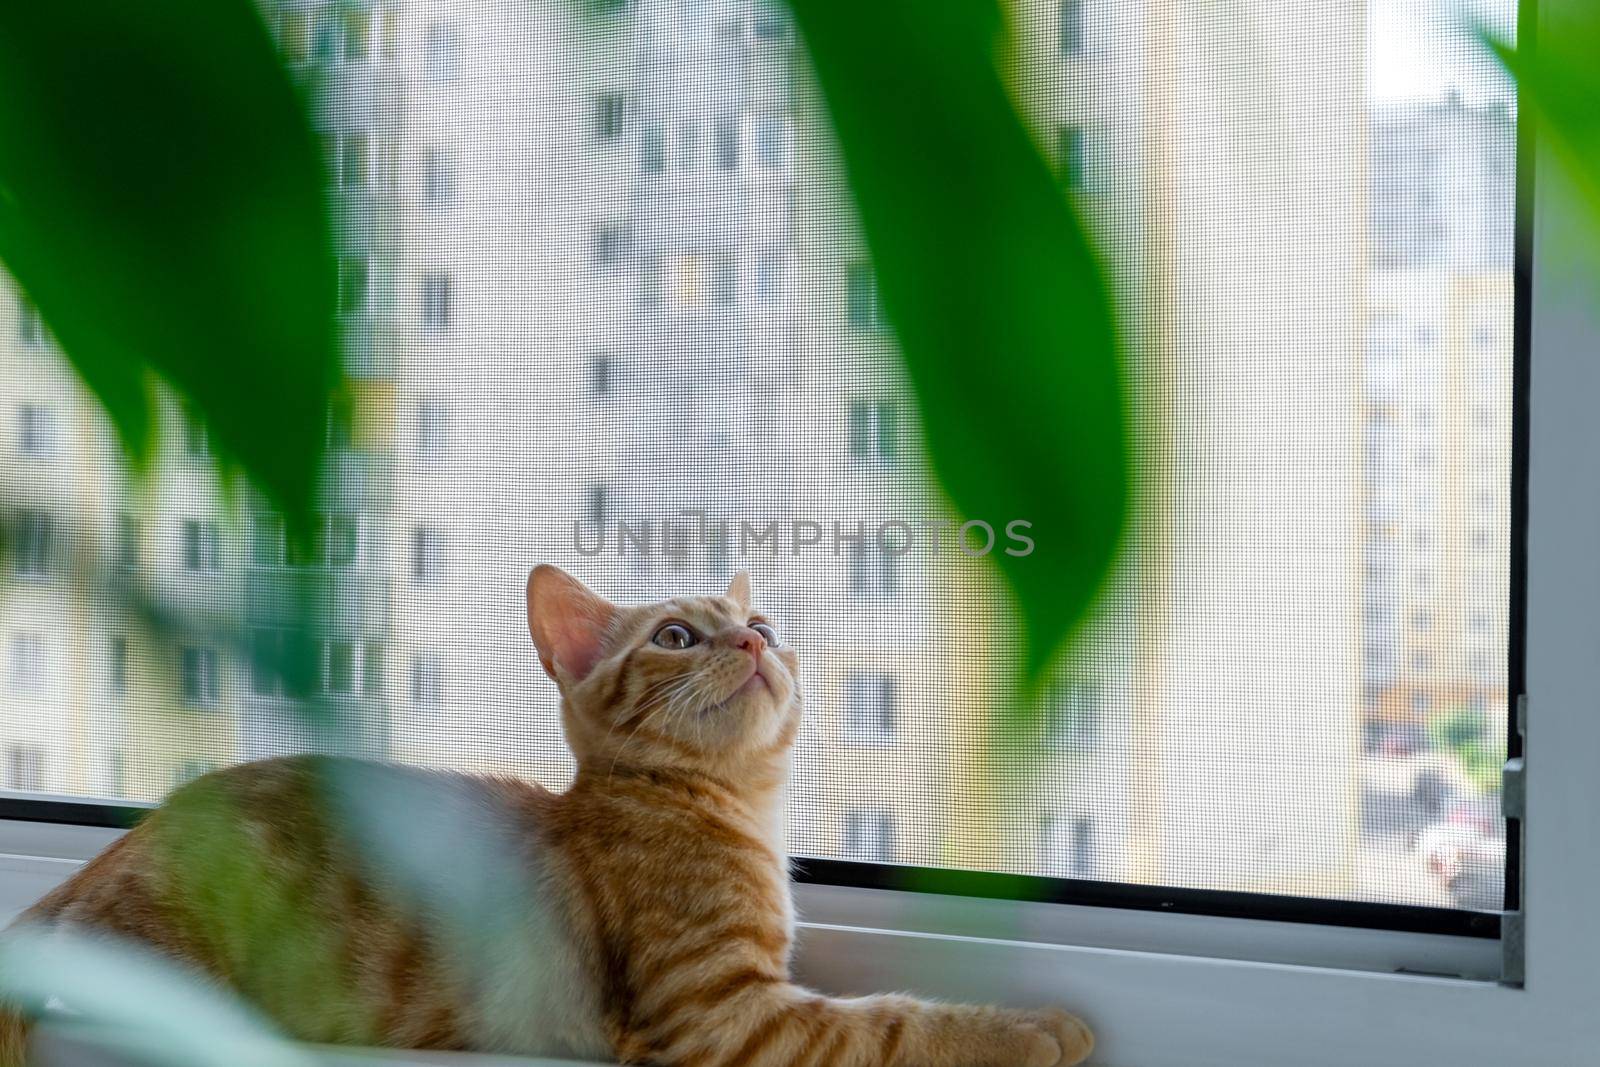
(662, 865)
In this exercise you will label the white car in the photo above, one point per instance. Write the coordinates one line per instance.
(1465, 851)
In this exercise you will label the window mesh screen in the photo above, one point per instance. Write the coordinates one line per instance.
(602, 271)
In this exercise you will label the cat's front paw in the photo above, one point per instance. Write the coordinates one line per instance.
(1072, 1039)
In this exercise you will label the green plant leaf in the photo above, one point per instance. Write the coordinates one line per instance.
(125, 999)
(996, 296)
(162, 202)
(1558, 78)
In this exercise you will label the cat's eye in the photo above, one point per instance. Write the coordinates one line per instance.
(768, 634)
(675, 635)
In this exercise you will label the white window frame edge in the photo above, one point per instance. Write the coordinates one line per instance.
(1195, 991)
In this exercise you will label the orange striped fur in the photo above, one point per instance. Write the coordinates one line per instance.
(663, 866)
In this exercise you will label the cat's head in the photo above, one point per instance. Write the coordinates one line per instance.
(702, 681)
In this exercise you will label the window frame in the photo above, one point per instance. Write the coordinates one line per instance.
(1170, 977)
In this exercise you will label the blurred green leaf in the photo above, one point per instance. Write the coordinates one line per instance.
(162, 202)
(258, 914)
(450, 849)
(135, 1004)
(1558, 78)
(998, 301)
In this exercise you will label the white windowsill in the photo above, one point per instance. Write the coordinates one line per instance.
(1123, 970)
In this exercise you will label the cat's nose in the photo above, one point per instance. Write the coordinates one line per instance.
(747, 640)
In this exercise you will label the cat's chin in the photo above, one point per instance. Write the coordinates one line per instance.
(756, 689)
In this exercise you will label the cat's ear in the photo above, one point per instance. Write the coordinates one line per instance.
(568, 623)
(739, 589)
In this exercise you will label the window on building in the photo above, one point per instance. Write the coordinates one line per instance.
(344, 539)
(609, 245)
(201, 549)
(1070, 28)
(36, 430)
(117, 666)
(196, 438)
(198, 675)
(725, 135)
(872, 431)
(650, 270)
(688, 281)
(28, 663)
(595, 503)
(771, 276)
(440, 52)
(862, 308)
(266, 540)
(873, 571)
(190, 769)
(357, 34)
(1071, 157)
(354, 284)
(869, 835)
(1066, 846)
(116, 774)
(372, 669)
(772, 141)
(771, 20)
(436, 301)
(598, 376)
(34, 551)
(341, 422)
(869, 707)
(125, 543)
(266, 662)
(294, 34)
(432, 428)
(25, 768)
(688, 156)
(354, 149)
(438, 178)
(341, 666)
(1072, 715)
(653, 148)
(30, 326)
(427, 680)
(609, 112)
(725, 279)
(427, 553)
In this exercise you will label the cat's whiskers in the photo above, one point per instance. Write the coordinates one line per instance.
(652, 694)
(684, 682)
(679, 704)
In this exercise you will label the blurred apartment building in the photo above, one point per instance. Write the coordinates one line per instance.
(1438, 411)
(602, 268)
(1223, 681)
(653, 306)
(99, 702)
